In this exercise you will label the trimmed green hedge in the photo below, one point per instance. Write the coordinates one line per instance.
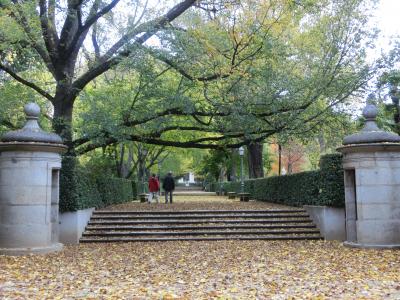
(323, 187)
(332, 180)
(212, 187)
(69, 191)
(80, 190)
(114, 190)
(295, 190)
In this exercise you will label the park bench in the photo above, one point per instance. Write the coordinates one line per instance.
(143, 197)
(244, 196)
(231, 195)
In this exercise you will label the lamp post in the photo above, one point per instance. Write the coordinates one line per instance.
(241, 153)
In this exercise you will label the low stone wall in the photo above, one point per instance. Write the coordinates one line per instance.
(330, 221)
(72, 225)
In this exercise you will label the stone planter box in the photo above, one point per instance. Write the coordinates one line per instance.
(330, 221)
(73, 224)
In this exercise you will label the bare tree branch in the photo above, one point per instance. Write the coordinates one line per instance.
(26, 82)
(102, 67)
(48, 32)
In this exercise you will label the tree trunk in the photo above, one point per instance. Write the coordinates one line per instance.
(62, 119)
(255, 158)
(62, 125)
(321, 142)
(279, 159)
(290, 167)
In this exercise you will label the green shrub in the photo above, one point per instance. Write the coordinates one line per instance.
(295, 189)
(80, 189)
(142, 186)
(323, 187)
(114, 190)
(88, 193)
(332, 180)
(69, 195)
(232, 186)
(212, 187)
(134, 189)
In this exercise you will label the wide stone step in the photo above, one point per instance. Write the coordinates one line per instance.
(185, 212)
(176, 222)
(193, 216)
(191, 193)
(199, 232)
(198, 238)
(251, 226)
(188, 188)
(199, 225)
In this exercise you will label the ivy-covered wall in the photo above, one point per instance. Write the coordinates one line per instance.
(322, 187)
(80, 190)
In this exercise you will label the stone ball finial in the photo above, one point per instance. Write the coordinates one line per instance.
(370, 111)
(32, 110)
(371, 98)
(371, 132)
(31, 132)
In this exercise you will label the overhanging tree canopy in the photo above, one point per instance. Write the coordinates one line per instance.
(235, 76)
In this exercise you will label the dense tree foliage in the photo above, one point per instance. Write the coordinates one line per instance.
(276, 70)
(202, 74)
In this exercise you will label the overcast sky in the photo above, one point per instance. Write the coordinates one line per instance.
(387, 18)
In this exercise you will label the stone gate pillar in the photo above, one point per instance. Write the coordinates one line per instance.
(30, 162)
(371, 162)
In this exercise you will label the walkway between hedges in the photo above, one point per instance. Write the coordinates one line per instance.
(199, 218)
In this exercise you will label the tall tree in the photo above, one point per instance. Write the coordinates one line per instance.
(58, 44)
(390, 81)
(244, 76)
(255, 158)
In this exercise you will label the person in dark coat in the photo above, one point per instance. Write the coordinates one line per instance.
(168, 186)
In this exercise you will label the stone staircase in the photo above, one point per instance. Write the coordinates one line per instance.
(192, 190)
(188, 188)
(199, 225)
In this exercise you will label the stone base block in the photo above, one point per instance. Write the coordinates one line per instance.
(34, 250)
(378, 232)
(329, 220)
(372, 246)
(72, 225)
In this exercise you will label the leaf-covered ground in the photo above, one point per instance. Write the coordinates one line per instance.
(204, 270)
(198, 202)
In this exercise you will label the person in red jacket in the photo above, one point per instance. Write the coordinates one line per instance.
(154, 187)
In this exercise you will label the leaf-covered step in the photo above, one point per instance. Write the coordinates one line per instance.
(231, 221)
(257, 226)
(199, 238)
(199, 232)
(183, 212)
(109, 226)
(178, 217)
